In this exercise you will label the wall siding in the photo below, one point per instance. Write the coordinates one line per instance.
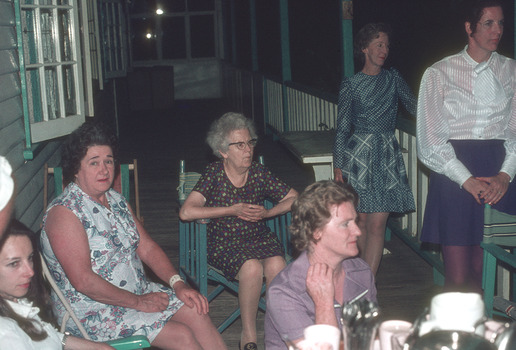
(28, 175)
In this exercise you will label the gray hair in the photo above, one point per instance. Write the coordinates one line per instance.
(225, 125)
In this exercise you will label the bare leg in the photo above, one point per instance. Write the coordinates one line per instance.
(272, 266)
(372, 239)
(250, 279)
(189, 330)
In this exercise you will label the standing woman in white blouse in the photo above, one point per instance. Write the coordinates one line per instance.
(466, 134)
(21, 327)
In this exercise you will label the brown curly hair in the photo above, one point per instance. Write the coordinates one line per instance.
(311, 210)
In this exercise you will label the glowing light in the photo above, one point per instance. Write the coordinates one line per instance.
(159, 12)
(148, 35)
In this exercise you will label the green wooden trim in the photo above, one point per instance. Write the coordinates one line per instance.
(348, 66)
(286, 126)
(265, 108)
(285, 42)
(58, 181)
(124, 181)
(28, 152)
(254, 35)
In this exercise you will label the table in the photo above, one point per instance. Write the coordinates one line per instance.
(312, 147)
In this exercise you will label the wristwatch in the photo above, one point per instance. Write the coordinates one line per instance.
(174, 279)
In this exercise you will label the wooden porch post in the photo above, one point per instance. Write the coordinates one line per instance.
(233, 33)
(254, 40)
(346, 14)
(286, 73)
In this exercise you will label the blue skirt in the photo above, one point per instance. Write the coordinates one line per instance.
(452, 216)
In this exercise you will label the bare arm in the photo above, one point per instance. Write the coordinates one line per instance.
(193, 208)
(70, 245)
(75, 343)
(155, 258)
(319, 285)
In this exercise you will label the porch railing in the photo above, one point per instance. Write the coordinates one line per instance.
(293, 107)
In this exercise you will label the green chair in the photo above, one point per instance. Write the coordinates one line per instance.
(498, 245)
(193, 261)
(122, 185)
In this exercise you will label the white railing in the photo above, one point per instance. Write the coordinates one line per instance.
(308, 110)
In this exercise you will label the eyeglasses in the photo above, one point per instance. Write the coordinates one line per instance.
(490, 23)
(241, 145)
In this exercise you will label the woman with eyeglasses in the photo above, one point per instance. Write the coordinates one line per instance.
(231, 193)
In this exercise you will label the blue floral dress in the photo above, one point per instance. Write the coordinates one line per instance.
(365, 148)
(233, 241)
(113, 240)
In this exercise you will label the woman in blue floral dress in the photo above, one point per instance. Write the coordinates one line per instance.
(366, 152)
(231, 193)
(95, 249)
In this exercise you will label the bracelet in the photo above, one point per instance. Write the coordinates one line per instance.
(65, 338)
(174, 279)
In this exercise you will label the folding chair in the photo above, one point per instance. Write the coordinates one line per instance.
(193, 261)
(499, 239)
(128, 343)
(121, 184)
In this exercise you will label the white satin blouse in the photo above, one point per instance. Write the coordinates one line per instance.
(462, 99)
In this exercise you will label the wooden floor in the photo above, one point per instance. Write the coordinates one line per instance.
(160, 139)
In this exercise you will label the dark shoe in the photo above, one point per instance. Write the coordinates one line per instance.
(250, 346)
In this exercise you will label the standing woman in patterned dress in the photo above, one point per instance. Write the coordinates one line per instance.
(231, 193)
(366, 152)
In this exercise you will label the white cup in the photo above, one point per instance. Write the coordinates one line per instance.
(393, 332)
(455, 311)
(318, 335)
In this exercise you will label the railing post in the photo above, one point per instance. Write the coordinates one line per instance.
(285, 59)
(346, 12)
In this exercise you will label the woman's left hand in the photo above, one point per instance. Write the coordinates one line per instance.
(191, 298)
(497, 188)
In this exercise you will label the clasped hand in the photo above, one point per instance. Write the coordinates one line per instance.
(489, 189)
(250, 212)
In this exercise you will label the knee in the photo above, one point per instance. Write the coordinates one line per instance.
(273, 266)
(251, 269)
(178, 335)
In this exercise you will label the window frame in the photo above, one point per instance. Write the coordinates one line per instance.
(66, 74)
(187, 14)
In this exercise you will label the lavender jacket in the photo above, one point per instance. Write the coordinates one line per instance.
(289, 307)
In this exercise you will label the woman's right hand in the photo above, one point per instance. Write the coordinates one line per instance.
(152, 302)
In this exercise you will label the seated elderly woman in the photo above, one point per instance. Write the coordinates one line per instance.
(327, 272)
(95, 248)
(21, 292)
(231, 193)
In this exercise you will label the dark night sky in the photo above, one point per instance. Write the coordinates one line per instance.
(424, 31)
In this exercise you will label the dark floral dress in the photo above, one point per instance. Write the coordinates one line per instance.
(232, 241)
